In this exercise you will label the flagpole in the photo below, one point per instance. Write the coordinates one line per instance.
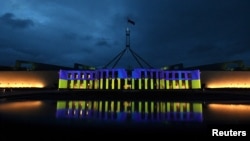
(134, 54)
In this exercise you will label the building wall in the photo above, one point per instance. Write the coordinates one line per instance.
(49, 79)
(135, 79)
(225, 79)
(28, 79)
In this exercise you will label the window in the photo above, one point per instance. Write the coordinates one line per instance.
(142, 74)
(176, 75)
(182, 75)
(148, 74)
(154, 75)
(170, 75)
(76, 75)
(177, 83)
(183, 84)
(170, 84)
(110, 75)
(116, 74)
(104, 75)
(69, 75)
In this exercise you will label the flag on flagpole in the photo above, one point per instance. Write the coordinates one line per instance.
(130, 21)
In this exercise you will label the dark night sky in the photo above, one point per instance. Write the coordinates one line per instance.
(92, 32)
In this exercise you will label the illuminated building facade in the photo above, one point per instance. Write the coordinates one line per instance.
(225, 79)
(116, 79)
(137, 111)
(28, 79)
(137, 79)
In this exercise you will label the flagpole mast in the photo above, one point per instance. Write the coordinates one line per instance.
(127, 38)
(135, 55)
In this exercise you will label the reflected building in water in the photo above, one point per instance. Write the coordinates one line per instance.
(137, 111)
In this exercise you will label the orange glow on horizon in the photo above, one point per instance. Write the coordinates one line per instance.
(226, 79)
(28, 79)
(22, 105)
(228, 84)
(29, 84)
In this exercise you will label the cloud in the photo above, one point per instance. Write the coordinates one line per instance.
(167, 32)
(102, 43)
(10, 20)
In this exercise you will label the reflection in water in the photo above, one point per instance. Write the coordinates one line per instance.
(232, 113)
(20, 106)
(123, 116)
(137, 111)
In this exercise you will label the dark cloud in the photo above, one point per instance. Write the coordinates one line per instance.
(238, 48)
(70, 36)
(10, 20)
(102, 43)
(166, 32)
